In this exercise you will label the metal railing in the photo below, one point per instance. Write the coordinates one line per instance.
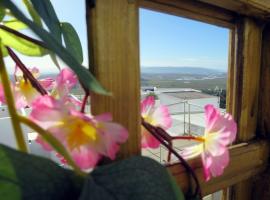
(188, 110)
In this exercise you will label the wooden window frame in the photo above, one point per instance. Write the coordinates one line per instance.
(113, 35)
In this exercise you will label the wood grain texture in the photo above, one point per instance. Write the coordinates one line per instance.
(261, 186)
(240, 168)
(260, 4)
(114, 43)
(247, 88)
(192, 10)
(264, 101)
(231, 73)
(242, 190)
(255, 8)
(250, 57)
(236, 68)
(231, 98)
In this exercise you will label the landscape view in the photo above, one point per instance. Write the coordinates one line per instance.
(207, 80)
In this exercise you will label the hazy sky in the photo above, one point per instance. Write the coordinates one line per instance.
(72, 11)
(165, 40)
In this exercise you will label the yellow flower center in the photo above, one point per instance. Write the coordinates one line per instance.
(149, 119)
(200, 139)
(27, 90)
(80, 133)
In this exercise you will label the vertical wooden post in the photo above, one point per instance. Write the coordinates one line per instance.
(264, 101)
(248, 61)
(248, 40)
(231, 72)
(251, 79)
(114, 44)
(262, 184)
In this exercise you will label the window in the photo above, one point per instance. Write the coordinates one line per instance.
(243, 71)
(183, 70)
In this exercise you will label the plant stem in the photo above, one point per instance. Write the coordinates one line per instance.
(17, 33)
(50, 139)
(34, 82)
(11, 106)
(199, 139)
(159, 134)
(36, 18)
(84, 102)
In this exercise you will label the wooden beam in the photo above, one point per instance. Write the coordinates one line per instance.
(247, 79)
(260, 4)
(250, 62)
(231, 74)
(192, 10)
(264, 101)
(255, 8)
(235, 78)
(262, 183)
(246, 160)
(114, 55)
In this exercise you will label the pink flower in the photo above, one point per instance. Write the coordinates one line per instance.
(86, 138)
(65, 82)
(156, 116)
(24, 93)
(220, 131)
(2, 95)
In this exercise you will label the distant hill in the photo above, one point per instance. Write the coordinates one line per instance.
(180, 70)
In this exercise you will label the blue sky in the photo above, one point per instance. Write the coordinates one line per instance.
(165, 40)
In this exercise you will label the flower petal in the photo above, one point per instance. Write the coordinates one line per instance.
(17, 72)
(27, 90)
(207, 162)
(148, 140)
(219, 163)
(85, 157)
(225, 126)
(214, 165)
(47, 83)
(213, 145)
(43, 143)
(65, 81)
(46, 108)
(2, 95)
(105, 117)
(147, 104)
(162, 117)
(192, 151)
(35, 72)
(112, 135)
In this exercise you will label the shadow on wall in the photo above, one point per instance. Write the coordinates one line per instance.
(8, 138)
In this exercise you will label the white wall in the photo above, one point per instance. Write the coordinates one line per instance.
(7, 136)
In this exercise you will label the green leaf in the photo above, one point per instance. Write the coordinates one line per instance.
(9, 184)
(178, 193)
(4, 51)
(24, 176)
(36, 18)
(137, 178)
(72, 41)
(15, 24)
(86, 78)
(55, 61)
(21, 45)
(2, 13)
(47, 13)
